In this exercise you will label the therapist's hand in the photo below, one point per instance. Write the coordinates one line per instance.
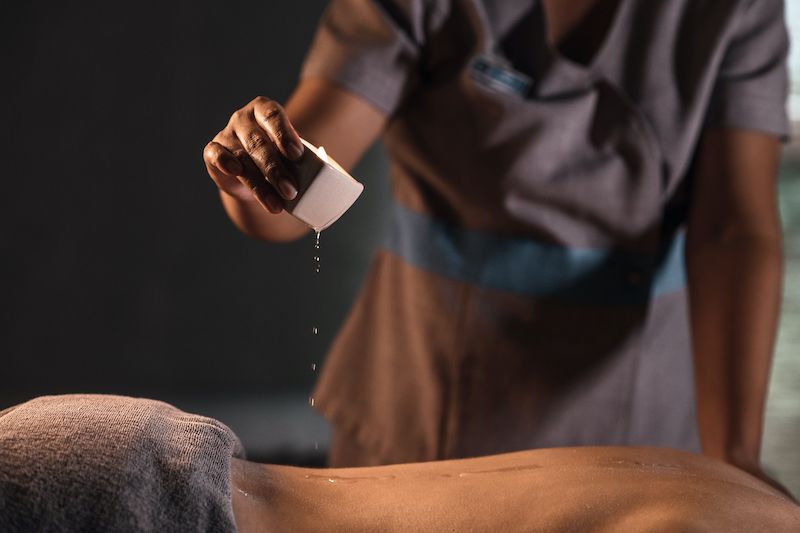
(248, 159)
(753, 467)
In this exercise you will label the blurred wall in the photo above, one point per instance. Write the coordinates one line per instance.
(120, 271)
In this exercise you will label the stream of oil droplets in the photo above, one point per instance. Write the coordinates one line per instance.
(315, 329)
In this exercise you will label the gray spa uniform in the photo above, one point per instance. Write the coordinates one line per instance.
(532, 291)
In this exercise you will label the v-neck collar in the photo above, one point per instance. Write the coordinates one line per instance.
(562, 74)
(599, 50)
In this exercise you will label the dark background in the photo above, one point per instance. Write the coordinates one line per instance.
(120, 271)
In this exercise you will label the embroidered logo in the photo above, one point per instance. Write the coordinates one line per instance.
(495, 73)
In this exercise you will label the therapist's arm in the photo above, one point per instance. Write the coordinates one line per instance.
(734, 259)
(247, 159)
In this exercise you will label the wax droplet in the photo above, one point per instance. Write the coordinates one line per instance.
(316, 255)
(348, 479)
(315, 329)
(499, 470)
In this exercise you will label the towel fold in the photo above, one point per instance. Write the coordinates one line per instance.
(113, 463)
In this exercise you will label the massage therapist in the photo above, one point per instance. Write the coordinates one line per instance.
(584, 244)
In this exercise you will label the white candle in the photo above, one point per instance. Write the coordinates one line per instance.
(325, 189)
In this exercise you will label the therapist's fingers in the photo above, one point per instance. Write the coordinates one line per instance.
(263, 152)
(223, 167)
(262, 190)
(249, 181)
(758, 472)
(271, 116)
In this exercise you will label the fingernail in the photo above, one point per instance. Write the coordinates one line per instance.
(294, 150)
(288, 189)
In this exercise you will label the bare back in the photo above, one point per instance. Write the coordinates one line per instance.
(563, 489)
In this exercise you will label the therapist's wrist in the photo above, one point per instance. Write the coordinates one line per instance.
(746, 459)
(739, 449)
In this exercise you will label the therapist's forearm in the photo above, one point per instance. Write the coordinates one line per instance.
(734, 290)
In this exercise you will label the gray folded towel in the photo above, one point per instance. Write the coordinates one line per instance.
(112, 463)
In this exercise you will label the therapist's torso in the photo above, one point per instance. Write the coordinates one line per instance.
(531, 292)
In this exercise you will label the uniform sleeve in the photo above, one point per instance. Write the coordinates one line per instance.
(369, 47)
(752, 84)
